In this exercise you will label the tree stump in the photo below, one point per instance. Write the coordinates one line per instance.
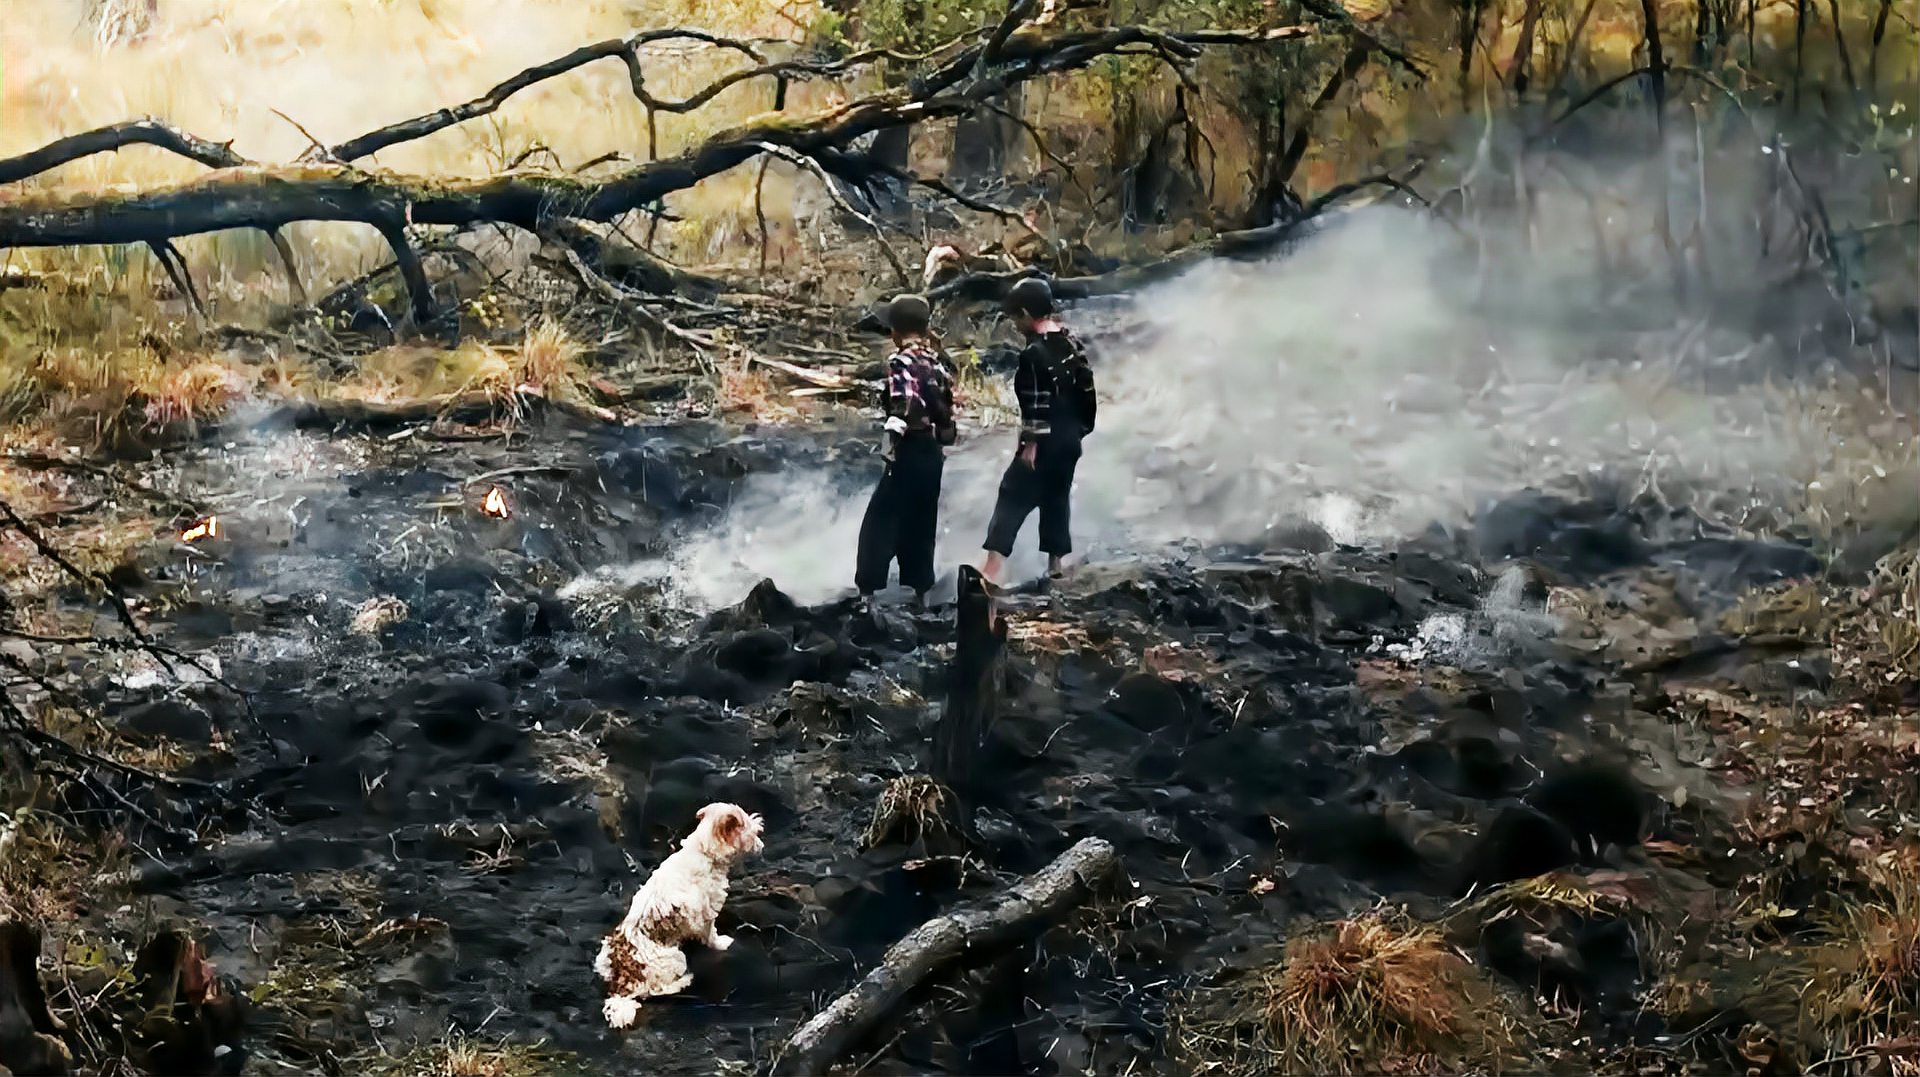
(973, 689)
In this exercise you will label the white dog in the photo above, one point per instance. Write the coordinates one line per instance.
(680, 902)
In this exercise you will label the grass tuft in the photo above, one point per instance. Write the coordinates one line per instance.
(460, 1055)
(1865, 983)
(1373, 994)
(912, 807)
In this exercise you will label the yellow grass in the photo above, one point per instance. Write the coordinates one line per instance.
(1866, 980)
(1374, 994)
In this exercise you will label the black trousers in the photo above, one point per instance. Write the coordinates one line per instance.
(901, 518)
(1047, 485)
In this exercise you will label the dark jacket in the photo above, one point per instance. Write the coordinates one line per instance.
(1054, 384)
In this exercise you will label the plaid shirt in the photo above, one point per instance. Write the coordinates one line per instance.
(919, 387)
(1054, 385)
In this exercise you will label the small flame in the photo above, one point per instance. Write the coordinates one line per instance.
(207, 528)
(496, 504)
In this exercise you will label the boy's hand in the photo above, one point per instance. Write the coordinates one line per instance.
(1029, 452)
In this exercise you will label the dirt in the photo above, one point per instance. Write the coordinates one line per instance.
(436, 816)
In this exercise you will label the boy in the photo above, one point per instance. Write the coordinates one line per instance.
(1055, 388)
(902, 514)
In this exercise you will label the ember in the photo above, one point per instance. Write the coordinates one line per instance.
(207, 528)
(496, 504)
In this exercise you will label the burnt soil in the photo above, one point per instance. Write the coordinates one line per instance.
(1265, 735)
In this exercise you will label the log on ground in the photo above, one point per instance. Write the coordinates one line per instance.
(1029, 908)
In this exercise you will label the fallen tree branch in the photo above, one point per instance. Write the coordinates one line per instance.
(421, 126)
(242, 195)
(148, 132)
(259, 197)
(629, 302)
(624, 263)
(964, 934)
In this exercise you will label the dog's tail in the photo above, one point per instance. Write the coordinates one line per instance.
(621, 1011)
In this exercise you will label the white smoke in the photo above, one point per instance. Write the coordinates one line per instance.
(1352, 383)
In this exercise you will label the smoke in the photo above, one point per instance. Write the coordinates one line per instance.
(1506, 627)
(1354, 382)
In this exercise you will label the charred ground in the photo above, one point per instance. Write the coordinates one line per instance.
(1538, 738)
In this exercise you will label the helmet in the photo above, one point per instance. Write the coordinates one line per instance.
(1032, 297)
(907, 313)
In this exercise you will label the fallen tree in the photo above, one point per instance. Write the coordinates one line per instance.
(327, 186)
(964, 934)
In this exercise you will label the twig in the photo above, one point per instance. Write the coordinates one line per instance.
(625, 300)
(314, 145)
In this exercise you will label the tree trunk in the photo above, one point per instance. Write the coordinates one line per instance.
(1657, 82)
(1523, 50)
(964, 934)
(983, 143)
(1467, 35)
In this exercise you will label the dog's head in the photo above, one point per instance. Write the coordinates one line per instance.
(727, 831)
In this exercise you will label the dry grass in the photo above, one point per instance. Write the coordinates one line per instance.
(1865, 983)
(748, 392)
(1607, 894)
(912, 807)
(47, 868)
(1375, 994)
(460, 1055)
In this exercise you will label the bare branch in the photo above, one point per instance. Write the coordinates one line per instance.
(421, 126)
(629, 302)
(149, 132)
(1356, 58)
(1016, 11)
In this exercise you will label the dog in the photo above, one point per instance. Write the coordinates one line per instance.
(679, 903)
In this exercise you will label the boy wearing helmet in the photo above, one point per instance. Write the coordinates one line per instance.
(1055, 387)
